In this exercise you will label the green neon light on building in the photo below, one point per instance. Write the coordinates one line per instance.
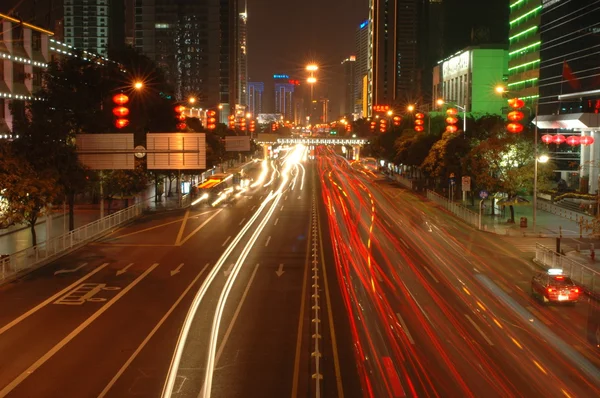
(522, 82)
(525, 48)
(536, 9)
(524, 65)
(523, 32)
(516, 3)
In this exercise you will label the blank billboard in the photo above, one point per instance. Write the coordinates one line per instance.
(176, 151)
(235, 143)
(106, 151)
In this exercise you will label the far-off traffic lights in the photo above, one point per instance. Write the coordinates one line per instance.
(419, 122)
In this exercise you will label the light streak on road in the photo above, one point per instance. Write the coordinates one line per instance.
(263, 174)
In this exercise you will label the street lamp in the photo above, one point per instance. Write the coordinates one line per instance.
(312, 67)
(540, 159)
(138, 85)
(192, 100)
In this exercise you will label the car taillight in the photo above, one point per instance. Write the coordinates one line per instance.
(550, 290)
(576, 290)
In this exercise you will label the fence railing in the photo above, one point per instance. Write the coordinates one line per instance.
(458, 210)
(404, 181)
(583, 275)
(562, 212)
(52, 248)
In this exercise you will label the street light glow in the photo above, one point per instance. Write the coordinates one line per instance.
(410, 108)
(390, 113)
(138, 85)
(312, 80)
(500, 89)
(248, 115)
(312, 68)
(543, 158)
(440, 102)
(192, 100)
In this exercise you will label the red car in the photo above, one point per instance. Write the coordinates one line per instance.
(554, 287)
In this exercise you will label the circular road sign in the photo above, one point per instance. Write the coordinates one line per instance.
(483, 194)
(141, 152)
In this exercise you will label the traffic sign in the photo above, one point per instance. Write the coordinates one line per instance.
(452, 181)
(483, 194)
(466, 183)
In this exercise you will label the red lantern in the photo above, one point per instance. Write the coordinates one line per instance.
(120, 123)
(120, 99)
(586, 140)
(451, 128)
(120, 111)
(516, 103)
(419, 116)
(419, 122)
(573, 140)
(181, 126)
(515, 116)
(547, 138)
(419, 129)
(180, 109)
(451, 111)
(181, 117)
(514, 128)
(451, 120)
(559, 139)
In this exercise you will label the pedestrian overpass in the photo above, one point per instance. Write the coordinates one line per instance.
(276, 139)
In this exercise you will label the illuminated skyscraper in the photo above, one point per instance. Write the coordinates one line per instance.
(361, 69)
(242, 58)
(349, 65)
(284, 93)
(255, 97)
(524, 48)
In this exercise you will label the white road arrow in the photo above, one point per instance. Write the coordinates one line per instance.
(70, 271)
(177, 270)
(280, 270)
(228, 270)
(123, 270)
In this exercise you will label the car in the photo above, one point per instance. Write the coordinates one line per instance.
(554, 287)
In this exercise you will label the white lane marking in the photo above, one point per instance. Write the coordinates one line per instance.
(299, 197)
(538, 315)
(124, 269)
(286, 197)
(51, 299)
(241, 222)
(479, 330)
(199, 228)
(405, 329)
(268, 240)
(182, 228)
(228, 270)
(387, 223)
(177, 270)
(281, 208)
(70, 271)
(276, 221)
(152, 332)
(226, 240)
(253, 207)
(235, 315)
(280, 270)
(431, 275)
(19, 379)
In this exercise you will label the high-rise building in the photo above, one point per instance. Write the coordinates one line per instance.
(95, 25)
(524, 48)
(242, 58)
(361, 69)
(284, 96)
(349, 65)
(395, 73)
(255, 97)
(196, 44)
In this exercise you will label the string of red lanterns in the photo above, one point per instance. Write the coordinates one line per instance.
(451, 120)
(572, 140)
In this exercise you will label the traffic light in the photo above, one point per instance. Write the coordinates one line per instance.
(382, 126)
(419, 122)
(515, 116)
(121, 111)
(211, 119)
(397, 120)
(451, 120)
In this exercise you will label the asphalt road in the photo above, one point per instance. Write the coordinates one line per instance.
(439, 309)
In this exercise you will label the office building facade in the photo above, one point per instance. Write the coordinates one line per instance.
(242, 59)
(284, 96)
(255, 97)
(94, 25)
(349, 66)
(361, 69)
(524, 49)
(395, 72)
(196, 44)
(468, 79)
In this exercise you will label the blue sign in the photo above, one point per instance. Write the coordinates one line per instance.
(452, 181)
(281, 77)
(483, 194)
(363, 25)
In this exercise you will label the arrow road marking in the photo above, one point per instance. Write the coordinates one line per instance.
(123, 270)
(70, 271)
(177, 270)
(280, 270)
(228, 270)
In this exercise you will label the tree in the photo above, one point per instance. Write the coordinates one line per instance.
(445, 155)
(412, 148)
(26, 193)
(124, 183)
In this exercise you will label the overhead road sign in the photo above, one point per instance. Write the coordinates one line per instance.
(237, 143)
(106, 151)
(176, 151)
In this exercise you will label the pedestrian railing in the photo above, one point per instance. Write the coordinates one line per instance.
(581, 274)
(562, 212)
(55, 247)
(458, 210)
(404, 181)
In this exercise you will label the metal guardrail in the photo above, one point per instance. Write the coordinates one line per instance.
(562, 212)
(54, 247)
(458, 210)
(583, 275)
(404, 181)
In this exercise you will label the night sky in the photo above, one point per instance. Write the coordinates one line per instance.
(284, 35)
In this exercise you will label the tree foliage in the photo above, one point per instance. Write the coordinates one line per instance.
(445, 155)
